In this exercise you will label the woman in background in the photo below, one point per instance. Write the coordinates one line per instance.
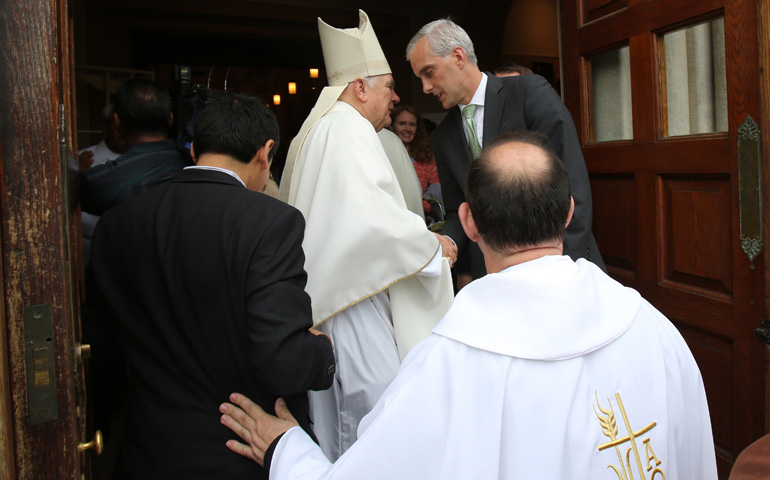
(410, 129)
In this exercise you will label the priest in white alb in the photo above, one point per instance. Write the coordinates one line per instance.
(375, 273)
(544, 369)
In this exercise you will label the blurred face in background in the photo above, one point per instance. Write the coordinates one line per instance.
(405, 126)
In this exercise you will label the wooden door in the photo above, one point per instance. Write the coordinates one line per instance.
(42, 411)
(662, 151)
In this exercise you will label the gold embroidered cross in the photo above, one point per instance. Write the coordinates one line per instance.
(610, 430)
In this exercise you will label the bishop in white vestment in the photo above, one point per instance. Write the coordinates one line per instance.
(547, 368)
(375, 273)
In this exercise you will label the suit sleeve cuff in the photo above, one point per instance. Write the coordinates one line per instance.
(271, 450)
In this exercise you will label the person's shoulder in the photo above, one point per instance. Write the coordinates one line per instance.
(265, 205)
(265, 213)
(345, 120)
(387, 135)
(138, 206)
(167, 149)
(522, 83)
(389, 138)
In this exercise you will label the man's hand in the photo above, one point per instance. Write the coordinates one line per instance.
(318, 333)
(254, 426)
(448, 247)
(85, 160)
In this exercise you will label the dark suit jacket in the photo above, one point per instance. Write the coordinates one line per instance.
(528, 102)
(199, 285)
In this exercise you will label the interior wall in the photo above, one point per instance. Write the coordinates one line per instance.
(531, 37)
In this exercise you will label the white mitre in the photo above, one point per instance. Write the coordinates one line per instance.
(349, 53)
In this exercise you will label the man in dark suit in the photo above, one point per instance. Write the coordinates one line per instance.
(199, 287)
(442, 56)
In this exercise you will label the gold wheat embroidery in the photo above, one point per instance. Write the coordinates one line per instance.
(609, 427)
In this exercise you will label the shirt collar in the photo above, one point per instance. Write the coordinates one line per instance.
(216, 169)
(480, 95)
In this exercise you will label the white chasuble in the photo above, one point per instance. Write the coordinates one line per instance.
(359, 237)
(549, 370)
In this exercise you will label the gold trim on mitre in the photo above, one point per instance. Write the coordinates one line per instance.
(351, 53)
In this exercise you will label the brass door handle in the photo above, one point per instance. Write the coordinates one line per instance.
(97, 444)
(83, 351)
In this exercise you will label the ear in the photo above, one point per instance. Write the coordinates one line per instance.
(263, 155)
(192, 153)
(360, 90)
(469, 225)
(170, 119)
(459, 56)
(116, 120)
(571, 211)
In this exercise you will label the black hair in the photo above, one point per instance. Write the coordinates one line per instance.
(142, 106)
(513, 67)
(513, 208)
(236, 125)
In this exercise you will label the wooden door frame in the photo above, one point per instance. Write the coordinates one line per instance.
(7, 455)
(36, 128)
(763, 21)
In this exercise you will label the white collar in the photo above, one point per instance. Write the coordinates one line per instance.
(550, 308)
(216, 169)
(480, 95)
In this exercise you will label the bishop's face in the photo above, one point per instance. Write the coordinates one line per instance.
(380, 101)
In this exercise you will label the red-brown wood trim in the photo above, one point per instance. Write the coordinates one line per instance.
(33, 242)
(655, 16)
(7, 464)
(763, 29)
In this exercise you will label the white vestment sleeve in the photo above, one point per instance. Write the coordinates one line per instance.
(433, 269)
(419, 302)
(298, 457)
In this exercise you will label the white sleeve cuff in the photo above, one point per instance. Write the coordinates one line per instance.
(433, 268)
(298, 457)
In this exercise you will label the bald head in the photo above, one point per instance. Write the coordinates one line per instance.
(518, 192)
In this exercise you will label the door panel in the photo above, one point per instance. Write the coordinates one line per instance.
(614, 198)
(666, 211)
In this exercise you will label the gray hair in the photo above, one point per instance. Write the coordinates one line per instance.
(443, 36)
(372, 81)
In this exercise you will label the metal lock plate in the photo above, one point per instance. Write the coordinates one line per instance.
(41, 364)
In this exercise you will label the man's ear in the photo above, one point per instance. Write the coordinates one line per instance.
(116, 120)
(459, 57)
(571, 211)
(469, 225)
(263, 154)
(192, 153)
(170, 119)
(360, 89)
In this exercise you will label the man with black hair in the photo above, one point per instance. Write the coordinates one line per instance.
(199, 287)
(546, 368)
(142, 115)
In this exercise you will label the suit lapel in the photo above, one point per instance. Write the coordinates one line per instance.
(493, 109)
